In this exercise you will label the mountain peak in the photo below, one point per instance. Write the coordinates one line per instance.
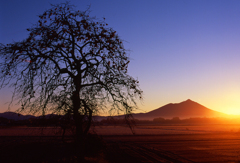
(184, 109)
(188, 101)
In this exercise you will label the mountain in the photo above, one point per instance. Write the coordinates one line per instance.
(185, 109)
(15, 116)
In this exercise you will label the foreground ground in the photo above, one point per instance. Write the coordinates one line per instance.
(175, 148)
(149, 144)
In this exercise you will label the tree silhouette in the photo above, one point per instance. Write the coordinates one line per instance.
(69, 64)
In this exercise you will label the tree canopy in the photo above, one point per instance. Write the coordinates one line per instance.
(69, 63)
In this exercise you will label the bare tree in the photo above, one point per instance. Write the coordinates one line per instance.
(70, 63)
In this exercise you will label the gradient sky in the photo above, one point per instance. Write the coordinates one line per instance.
(182, 49)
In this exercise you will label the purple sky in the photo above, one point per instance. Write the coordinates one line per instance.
(180, 50)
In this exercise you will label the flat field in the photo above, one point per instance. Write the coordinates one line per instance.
(150, 143)
(175, 148)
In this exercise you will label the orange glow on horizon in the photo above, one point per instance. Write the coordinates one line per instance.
(232, 111)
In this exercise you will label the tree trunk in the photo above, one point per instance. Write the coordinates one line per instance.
(79, 136)
(89, 122)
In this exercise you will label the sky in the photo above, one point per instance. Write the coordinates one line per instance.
(179, 49)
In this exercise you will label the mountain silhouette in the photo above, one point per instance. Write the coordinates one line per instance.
(185, 109)
(15, 116)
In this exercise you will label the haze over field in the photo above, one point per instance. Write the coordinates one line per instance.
(179, 49)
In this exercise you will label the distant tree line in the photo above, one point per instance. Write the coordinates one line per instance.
(61, 121)
(190, 120)
(174, 120)
(34, 122)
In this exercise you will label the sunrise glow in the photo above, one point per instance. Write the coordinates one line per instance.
(232, 111)
(174, 57)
